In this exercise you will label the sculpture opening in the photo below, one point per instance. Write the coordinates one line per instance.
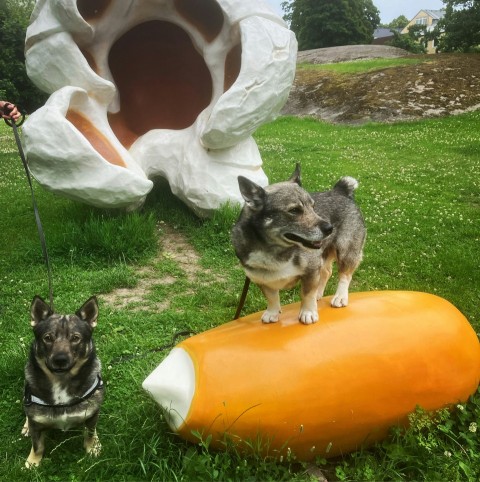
(163, 82)
(97, 140)
(205, 16)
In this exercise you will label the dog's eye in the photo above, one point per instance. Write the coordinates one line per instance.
(295, 210)
(75, 338)
(48, 338)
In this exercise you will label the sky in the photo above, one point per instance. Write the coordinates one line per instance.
(389, 9)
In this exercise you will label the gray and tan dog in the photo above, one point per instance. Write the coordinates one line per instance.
(285, 235)
(63, 384)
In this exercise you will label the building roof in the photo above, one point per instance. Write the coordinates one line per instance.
(382, 32)
(436, 14)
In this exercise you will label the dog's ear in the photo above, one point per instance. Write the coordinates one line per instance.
(253, 194)
(297, 175)
(39, 310)
(89, 311)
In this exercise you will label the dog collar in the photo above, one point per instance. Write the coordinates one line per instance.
(29, 399)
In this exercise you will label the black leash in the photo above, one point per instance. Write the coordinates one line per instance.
(41, 234)
(243, 297)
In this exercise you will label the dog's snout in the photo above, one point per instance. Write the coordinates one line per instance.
(61, 360)
(326, 228)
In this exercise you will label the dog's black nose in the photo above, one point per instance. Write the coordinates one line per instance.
(326, 228)
(61, 360)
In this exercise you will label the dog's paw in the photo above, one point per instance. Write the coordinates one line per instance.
(31, 464)
(25, 431)
(339, 301)
(33, 460)
(270, 316)
(93, 446)
(308, 317)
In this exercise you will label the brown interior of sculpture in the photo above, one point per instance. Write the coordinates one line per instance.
(232, 66)
(162, 80)
(98, 141)
(206, 16)
(91, 9)
(91, 61)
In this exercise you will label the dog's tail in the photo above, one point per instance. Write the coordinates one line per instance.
(346, 185)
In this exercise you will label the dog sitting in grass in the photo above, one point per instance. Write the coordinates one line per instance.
(63, 384)
(285, 235)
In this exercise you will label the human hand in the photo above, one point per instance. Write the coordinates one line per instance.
(9, 111)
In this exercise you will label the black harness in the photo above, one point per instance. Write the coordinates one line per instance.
(29, 399)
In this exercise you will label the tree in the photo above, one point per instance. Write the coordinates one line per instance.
(327, 23)
(399, 22)
(15, 85)
(412, 41)
(459, 29)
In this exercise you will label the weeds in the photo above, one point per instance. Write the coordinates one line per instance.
(201, 463)
(438, 446)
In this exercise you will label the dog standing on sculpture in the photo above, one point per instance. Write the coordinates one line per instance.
(63, 384)
(285, 235)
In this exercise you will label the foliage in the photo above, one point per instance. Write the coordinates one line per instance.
(424, 451)
(323, 23)
(459, 29)
(15, 85)
(413, 41)
(399, 22)
(201, 464)
(422, 216)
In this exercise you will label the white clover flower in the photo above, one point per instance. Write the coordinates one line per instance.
(472, 427)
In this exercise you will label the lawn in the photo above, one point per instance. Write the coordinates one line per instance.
(360, 66)
(420, 195)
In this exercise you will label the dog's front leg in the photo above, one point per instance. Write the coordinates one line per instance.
(38, 445)
(91, 442)
(308, 310)
(341, 296)
(25, 430)
(272, 314)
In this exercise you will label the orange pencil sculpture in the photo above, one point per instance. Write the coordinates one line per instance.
(322, 389)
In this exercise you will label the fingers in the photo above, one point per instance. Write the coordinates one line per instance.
(10, 111)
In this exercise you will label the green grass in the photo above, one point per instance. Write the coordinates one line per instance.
(361, 66)
(420, 195)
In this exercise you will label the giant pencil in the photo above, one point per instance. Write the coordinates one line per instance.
(322, 389)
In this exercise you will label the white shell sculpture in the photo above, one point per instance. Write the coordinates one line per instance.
(154, 88)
